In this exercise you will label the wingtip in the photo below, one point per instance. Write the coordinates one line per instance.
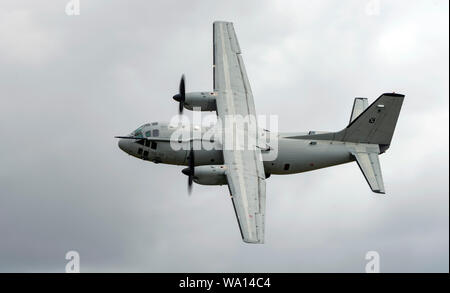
(394, 95)
(221, 21)
(253, 241)
(379, 191)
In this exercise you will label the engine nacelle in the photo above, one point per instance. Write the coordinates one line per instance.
(206, 101)
(210, 175)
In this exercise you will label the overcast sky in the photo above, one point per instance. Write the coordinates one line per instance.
(68, 84)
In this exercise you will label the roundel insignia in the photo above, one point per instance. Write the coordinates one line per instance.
(372, 120)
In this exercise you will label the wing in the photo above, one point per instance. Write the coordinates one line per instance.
(245, 170)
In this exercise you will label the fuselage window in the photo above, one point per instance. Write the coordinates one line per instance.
(155, 132)
(286, 167)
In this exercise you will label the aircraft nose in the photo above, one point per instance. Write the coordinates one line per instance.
(122, 144)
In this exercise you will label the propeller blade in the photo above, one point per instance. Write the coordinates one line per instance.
(181, 96)
(191, 162)
(180, 107)
(190, 180)
(191, 170)
(182, 89)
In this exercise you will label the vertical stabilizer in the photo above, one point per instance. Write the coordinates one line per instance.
(376, 124)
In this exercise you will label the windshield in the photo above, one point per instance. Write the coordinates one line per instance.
(138, 132)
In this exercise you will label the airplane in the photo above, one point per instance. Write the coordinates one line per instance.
(368, 134)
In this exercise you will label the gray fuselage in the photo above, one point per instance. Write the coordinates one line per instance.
(294, 155)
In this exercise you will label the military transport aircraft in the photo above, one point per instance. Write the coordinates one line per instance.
(367, 135)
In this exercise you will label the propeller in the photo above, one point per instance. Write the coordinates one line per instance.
(181, 96)
(190, 170)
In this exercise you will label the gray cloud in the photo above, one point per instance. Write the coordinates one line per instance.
(69, 84)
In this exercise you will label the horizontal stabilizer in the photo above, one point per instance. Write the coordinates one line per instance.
(369, 164)
(359, 105)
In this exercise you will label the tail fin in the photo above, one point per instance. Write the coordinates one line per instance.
(370, 131)
(376, 124)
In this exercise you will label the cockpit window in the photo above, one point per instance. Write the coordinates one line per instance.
(148, 133)
(138, 132)
(155, 132)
